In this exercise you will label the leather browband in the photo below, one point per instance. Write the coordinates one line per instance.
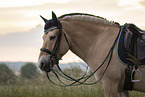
(50, 29)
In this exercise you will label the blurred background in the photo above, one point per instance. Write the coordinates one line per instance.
(21, 28)
(21, 31)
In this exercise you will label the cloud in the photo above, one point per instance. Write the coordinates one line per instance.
(31, 38)
(128, 2)
(142, 3)
(23, 18)
(25, 3)
(21, 46)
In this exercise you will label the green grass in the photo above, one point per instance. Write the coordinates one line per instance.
(43, 88)
(38, 88)
(137, 94)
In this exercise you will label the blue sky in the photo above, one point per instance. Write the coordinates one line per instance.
(21, 28)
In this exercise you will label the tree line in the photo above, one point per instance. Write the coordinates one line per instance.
(30, 71)
(7, 76)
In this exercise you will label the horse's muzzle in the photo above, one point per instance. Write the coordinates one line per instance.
(46, 64)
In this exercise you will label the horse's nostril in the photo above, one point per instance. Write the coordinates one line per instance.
(41, 65)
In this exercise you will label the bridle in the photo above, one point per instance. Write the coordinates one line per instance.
(53, 54)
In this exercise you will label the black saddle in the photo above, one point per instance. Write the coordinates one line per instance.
(131, 42)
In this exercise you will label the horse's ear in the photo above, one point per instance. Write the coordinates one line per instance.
(54, 18)
(43, 19)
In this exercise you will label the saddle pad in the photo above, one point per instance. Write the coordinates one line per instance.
(122, 53)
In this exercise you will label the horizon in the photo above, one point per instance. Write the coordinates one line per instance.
(21, 27)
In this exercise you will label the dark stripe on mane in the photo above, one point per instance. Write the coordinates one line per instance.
(85, 14)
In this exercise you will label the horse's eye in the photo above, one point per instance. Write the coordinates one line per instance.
(52, 37)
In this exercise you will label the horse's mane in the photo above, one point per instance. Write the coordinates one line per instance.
(87, 17)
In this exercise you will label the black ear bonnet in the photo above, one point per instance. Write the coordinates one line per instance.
(50, 23)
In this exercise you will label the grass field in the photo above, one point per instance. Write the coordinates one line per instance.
(43, 88)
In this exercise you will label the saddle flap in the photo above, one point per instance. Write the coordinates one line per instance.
(134, 41)
(128, 41)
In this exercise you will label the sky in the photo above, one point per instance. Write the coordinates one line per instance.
(21, 28)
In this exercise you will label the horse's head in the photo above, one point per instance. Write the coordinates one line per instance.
(55, 44)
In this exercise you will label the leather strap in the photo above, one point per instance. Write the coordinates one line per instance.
(46, 50)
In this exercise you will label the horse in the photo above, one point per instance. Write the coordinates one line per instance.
(89, 37)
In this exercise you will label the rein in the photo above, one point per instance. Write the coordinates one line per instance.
(84, 78)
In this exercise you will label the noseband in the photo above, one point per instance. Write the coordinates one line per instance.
(53, 54)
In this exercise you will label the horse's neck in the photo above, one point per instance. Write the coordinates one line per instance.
(89, 41)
